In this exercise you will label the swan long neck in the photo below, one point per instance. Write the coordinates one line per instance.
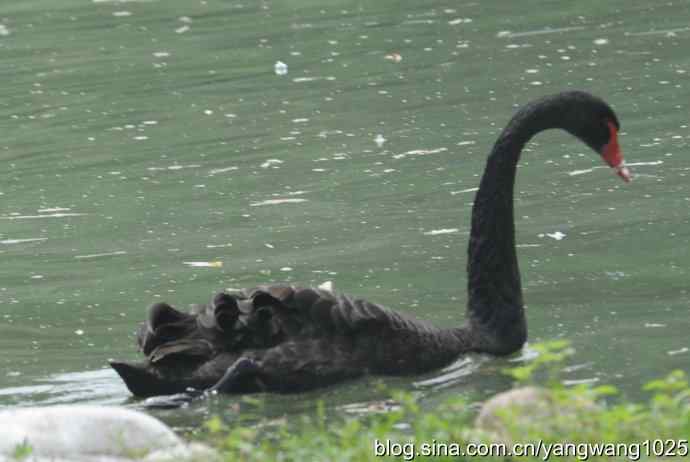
(495, 306)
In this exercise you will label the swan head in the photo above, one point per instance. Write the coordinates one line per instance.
(595, 123)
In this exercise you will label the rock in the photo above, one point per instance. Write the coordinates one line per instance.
(517, 414)
(92, 434)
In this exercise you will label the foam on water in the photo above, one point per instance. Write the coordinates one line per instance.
(22, 241)
(46, 215)
(556, 30)
(419, 152)
(278, 201)
(435, 232)
(101, 255)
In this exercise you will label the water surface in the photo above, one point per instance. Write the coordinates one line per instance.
(142, 139)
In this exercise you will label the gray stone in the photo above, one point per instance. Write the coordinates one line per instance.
(515, 414)
(92, 434)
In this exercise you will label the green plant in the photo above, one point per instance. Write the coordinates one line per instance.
(550, 356)
(22, 451)
(583, 415)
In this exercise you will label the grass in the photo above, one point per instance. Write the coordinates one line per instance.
(557, 422)
(565, 423)
(22, 451)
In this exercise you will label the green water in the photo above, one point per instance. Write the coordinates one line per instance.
(141, 135)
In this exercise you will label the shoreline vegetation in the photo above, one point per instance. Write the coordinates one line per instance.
(531, 422)
(539, 419)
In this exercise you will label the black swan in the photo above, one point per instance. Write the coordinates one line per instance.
(287, 339)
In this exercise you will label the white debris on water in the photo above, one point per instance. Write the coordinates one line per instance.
(54, 209)
(677, 352)
(99, 255)
(654, 324)
(312, 79)
(455, 22)
(601, 41)
(79, 332)
(380, 140)
(270, 162)
(559, 236)
(286, 269)
(292, 200)
(615, 275)
(122, 14)
(586, 381)
(280, 68)
(413, 22)
(419, 152)
(435, 232)
(173, 167)
(665, 32)
(4, 31)
(395, 57)
(464, 191)
(22, 241)
(216, 171)
(637, 164)
(204, 264)
(45, 215)
(547, 30)
(300, 120)
(161, 54)
(215, 246)
(186, 20)
(582, 172)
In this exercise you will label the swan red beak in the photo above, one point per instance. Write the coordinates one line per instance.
(611, 152)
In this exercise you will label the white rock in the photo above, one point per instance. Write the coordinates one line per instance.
(90, 434)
